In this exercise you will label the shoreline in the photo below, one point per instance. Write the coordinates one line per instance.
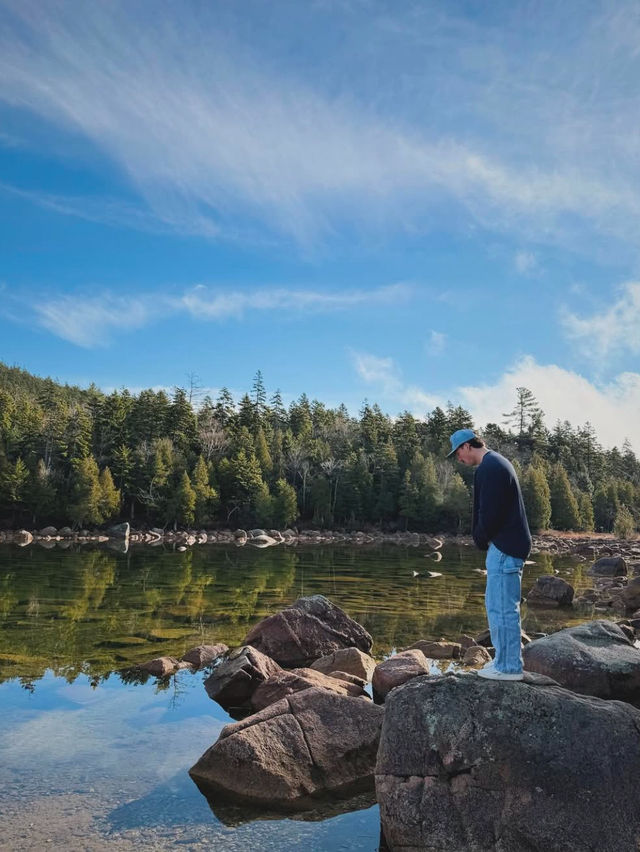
(583, 545)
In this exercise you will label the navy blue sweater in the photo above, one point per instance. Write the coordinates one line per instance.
(498, 508)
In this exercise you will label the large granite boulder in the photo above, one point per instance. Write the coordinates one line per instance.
(398, 670)
(310, 628)
(234, 681)
(470, 764)
(285, 683)
(551, 591)
(595, 658)
(349, 660)
(609, 566)
(311, 744)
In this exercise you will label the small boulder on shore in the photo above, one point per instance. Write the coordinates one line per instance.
(350, 660)
(311, 627)
(470, 764)
(398, 670)
(609, 566)
(551, 591)
(311, 744)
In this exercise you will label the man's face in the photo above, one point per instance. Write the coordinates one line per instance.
(464, 454)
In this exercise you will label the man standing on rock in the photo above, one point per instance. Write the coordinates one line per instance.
(500, 527)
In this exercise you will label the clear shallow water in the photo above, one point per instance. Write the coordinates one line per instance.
(90, 762)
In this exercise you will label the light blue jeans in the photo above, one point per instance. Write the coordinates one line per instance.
(502, 600)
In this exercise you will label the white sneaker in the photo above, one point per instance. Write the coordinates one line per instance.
(491, 673)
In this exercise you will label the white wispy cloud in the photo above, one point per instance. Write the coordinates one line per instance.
(613, 408)
(114, 212)
(612, 330)
(90, 321)
(208, 303)
(436, 343)
(525, 262)
(93, 320)
(210, 128)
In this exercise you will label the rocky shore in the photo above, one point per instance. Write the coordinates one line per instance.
(584, 546)
(454, 761)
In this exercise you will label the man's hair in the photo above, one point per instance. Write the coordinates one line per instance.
(476, 443)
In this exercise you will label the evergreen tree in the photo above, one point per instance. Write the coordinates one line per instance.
(14, 483)
(409, 500)
(262, 453)
(259, 397)
(320, 501)
(206, 496)
(565, 514)
(86, 494)
(586, 512)
(605, 505)
(109, 496)
(456, 504)
(537, 498)
(624, 526)
(285, 504)
(526, 417)
(386, 486)
(181, 507)
(181, 423)
(264, 506)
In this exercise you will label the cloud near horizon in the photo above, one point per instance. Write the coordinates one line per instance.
(612, 408)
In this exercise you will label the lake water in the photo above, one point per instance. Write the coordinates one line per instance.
(91, 762)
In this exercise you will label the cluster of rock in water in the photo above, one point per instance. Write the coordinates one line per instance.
(182, 539)
(455, 762)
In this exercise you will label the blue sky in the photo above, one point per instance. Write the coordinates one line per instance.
(408, 202)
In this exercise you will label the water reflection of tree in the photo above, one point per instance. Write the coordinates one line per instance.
(92, 611)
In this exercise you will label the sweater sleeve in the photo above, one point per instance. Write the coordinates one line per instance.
(490, 501)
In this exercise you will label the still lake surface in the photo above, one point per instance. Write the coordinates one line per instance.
(92, 762)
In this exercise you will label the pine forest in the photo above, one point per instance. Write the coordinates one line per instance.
(85, 458)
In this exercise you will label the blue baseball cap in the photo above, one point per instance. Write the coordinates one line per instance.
(459, 438)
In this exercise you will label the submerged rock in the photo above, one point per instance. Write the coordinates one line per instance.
(469, 764)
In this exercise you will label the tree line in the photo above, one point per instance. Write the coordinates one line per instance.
(82, 457)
